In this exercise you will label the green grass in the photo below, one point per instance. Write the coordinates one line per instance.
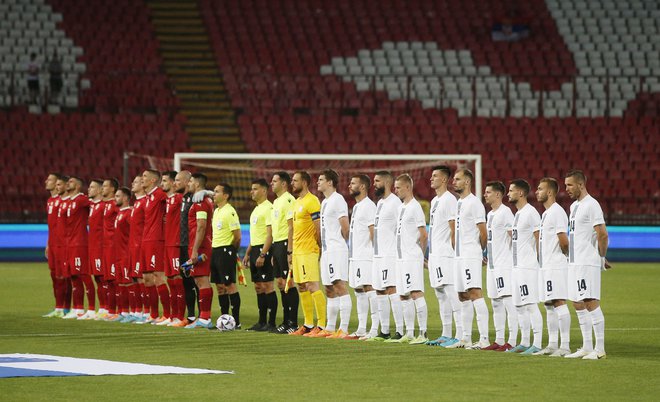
(277, 367)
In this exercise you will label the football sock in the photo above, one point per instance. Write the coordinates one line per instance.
(111, 297)
(319, 305)
(499, 320)
(397, 312)
(175, 295)
(78, 291)
(191, 293)
(512, 319)
(362, 306)
(552, 320)
(481, 311)
(123, 299)
(523, 321)
(422, 314)
(598, 322)
(235, 299)
(345, 307)
(285, 305)
(142, 301)
(408, 307)
(467, 313)
(294, 301)
(205, 301)
(564, 319)
(132, 297)
(223, 302)
(384, 313)
(164, 295)
(261, 305)
(59, 293)
(67, 293)
(586, 325)
(271, 304)
(445, 311)
(332, 308)
(153, 300)
(373, 309)
(307, 307)
(100, 293)
(536, 320)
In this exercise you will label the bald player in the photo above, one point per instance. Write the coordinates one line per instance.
(172, 249)
(190, 288)
(51, 210)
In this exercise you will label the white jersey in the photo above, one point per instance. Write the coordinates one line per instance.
(360, 246)
(443, 210)
(553, 222)
(411, 218)
(498, 225)
(385, 226)
(583, 240)
(469, 213)
(333, 208)
(523, 242)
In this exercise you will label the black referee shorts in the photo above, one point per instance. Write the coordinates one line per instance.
(264, 273)
(223, 265)
(280, 261)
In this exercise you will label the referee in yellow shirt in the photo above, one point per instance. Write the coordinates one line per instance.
(258, 256)
(226, 240)
(306, 239)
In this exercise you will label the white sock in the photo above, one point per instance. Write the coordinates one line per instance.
(374, 309)
(409, 316)
(499, 320)
(456, 307)
(467, 313)
(362, 302)
(552, 320)
(445, 311)
(481, 310)
(332, 310)
(345, 307)
(584, 318)
(422, 314)
(536, 320)
(598, 322)
(512, 319)
(523, 321)
(384, 313)
(564, 320)
(397, 312)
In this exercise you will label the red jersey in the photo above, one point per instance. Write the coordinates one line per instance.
(77, 213)
(60, 225)
(204, 206)
(109, 214)
(137, 222)
(95, 222)
(122, 232)
(52, 206)
(173, 220)
(154, 215)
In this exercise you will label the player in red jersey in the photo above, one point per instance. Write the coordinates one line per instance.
(153, 248)
(172, 244)
(77, 252)
(136, 293)
(61, 267)
(120, 242)
(52, 206)
(95, 240)
(110, 210)
(200, 234)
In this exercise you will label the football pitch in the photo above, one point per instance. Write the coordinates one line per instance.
(279, 367)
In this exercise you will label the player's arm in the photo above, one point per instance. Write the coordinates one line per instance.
(423, 238)
(289, 243)
(237, 238)
(452, 230)
(483, 237)
(343, 223)
(246, 257)
(199, 235)
(371, 233)
(603, 239)
(563, 242)
(536, 240)
(317, 226)
(267, 244)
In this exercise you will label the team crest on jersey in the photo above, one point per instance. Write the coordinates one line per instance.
(219, 225)
(255, 220)
(300, 209)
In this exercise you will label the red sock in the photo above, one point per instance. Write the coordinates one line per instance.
(100, 291)
(153, 300)
(67, 293)
(78, 292)
(60, 290)
(123, 297)
(181, 301)
(53, 279)
(175, 296)
(205, 299)
(90, 292)
(111, 297)
(141, 294)
(164, 294)
(106, 292)
(132, 297)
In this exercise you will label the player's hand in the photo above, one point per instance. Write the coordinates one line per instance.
(289, 259)
(604, 264)
(426, 263)
(246, 261)
(260, 262)
(484, 261)
(193, 256)
(46, 253)
(199, 196)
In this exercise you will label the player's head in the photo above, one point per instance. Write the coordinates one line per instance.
(74, 185)
(150, 179)
(122, 197)
(383, 181)
(463, 180)
(494, 192)
(518, 190)
(327, 181)
(109, 188)
(222, 193)
(136, 185)
(280, 182)
(167, 181)
(50, 181)
(300, 182)
(359, 185)
(94, 188)
(576, 183)
(440, 176)
(403, 186)
(259, 190)
(197, 182)
(60, 184)
(181, 181)
(547, 189)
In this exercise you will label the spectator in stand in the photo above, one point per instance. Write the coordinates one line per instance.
(55, 73)
(507, 31)
(33, 78)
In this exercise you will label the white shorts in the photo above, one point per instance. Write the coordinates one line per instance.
(553, 284)
(383, 274)
(468, 274)
(409, 276)
(334, 267)
(525, 286)
(441, 271)
(359, 273)
(583, 282)
(498, 282)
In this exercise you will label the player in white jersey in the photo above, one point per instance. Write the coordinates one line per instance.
(385, 256)
(411, 239)
(524, 244)
(441, 256)
(360, 254)
(334, 255)
(469, 242)
(553, 247)
(499, 265)
(588, 242)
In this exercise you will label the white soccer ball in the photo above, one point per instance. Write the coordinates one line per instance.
(225, 323)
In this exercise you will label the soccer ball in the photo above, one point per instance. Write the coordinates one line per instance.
(225, 323)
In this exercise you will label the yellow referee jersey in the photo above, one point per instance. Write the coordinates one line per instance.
(282, 212)
(260, 218)
(305, 211)
(225, 221)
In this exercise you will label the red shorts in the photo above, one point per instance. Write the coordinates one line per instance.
(202, 268)
(78, 259)
(109, 264)
(123, 271)
(95, 261)
(52, 264)
(61, 265)
(152, 255)
(135, 262)
(172, 254)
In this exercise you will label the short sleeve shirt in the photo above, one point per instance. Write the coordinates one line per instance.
(225, 221)
(333, 208)
(443, 210)
(498, 225)
(260, 219)
(385, 223)
(306, 210)
(583, 240)
(553, 222)
(523, 243)
(282, 212)
(359, 241)
(410, 219)
(469, 213)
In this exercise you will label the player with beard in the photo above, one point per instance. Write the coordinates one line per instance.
(172, 249)
(122, 254)
(191, 291)
(95, 240)
(136, 292)
(110, 210)
(51, 210)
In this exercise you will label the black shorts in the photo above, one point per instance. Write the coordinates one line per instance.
(33, 85)
(223, 265)
(280, 260)
(265, 273)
